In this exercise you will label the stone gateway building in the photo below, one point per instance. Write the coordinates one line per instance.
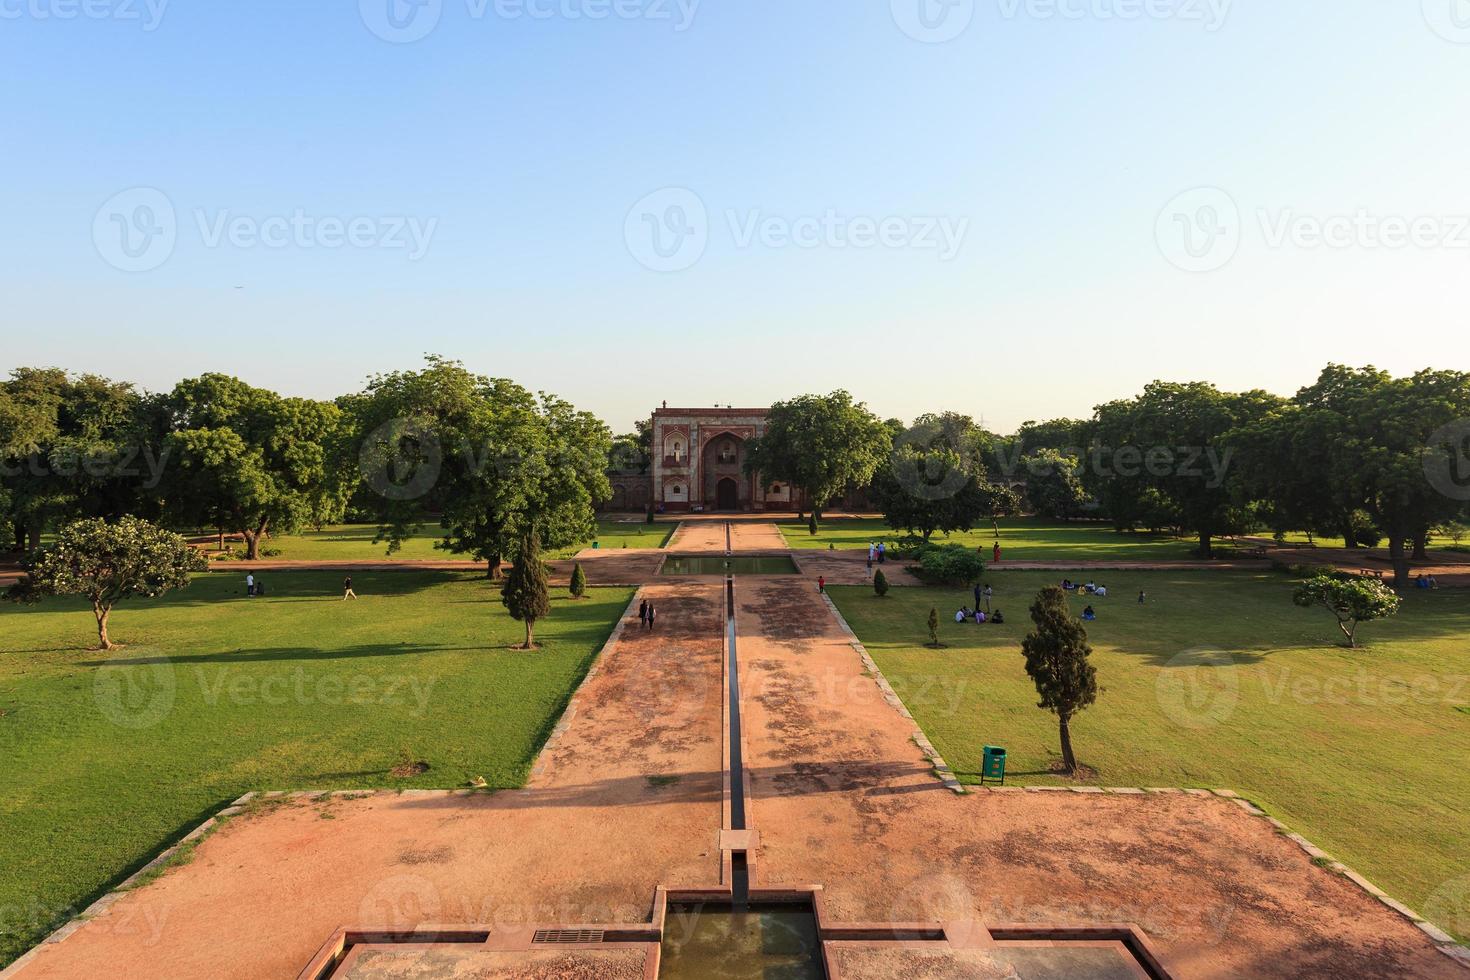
(698, 466)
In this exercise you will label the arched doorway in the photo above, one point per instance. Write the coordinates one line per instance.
(727, 495)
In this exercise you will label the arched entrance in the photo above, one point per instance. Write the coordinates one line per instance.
(727, 495)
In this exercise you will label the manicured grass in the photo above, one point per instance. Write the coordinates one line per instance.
(1021, 539)
(216, 695)
(1218, 682)
(354, 542)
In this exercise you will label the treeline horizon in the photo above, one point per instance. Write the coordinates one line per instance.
(1356, 454)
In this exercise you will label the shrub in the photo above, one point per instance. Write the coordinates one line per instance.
(578, 586)
(950, 564)
(933, 627)
(880, 583)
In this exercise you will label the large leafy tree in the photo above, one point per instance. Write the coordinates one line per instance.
(922, 491)
(824, 444)
(487, 459)
(1057, 661)
(106, 563)
(1053, 485)
(1365, 437)
(72, 446)
(1177, 441)
(247, 460)
(1352, 600)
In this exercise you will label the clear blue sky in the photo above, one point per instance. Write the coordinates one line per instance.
(1056, 141)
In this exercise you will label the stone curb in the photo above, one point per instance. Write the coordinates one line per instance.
(941, 768)
(104, 904)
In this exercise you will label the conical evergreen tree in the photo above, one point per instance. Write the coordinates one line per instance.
(526, 593)
(578, 586)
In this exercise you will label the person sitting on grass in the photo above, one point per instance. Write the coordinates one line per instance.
(1068, 585)
(998, 619)
(963, 614)
(1101, 591)
(1089, 615)
(979, 616)
(1090, 588)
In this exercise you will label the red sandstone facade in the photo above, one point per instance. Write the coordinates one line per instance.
(698, 466)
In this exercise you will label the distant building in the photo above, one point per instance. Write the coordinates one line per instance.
(698, 465)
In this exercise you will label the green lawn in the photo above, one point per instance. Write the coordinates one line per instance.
(216, 695)
(1362, 751)
(354, 542)
(1021, 539)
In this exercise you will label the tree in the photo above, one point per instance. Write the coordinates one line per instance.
(1352, 600)
(1053, 488)
(1378, 437)
(487, 459)
(823, 444)
(107, 563)
(935, 478)
(72, 447)
(933, 624)
(525, 592)
(578, 587)
(1057, 655)
(249, 461)
(880, 583)
(1177, 440)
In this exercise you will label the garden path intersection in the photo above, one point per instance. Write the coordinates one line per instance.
(628, 812)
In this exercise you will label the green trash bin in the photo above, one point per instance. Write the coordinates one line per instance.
(994, 765)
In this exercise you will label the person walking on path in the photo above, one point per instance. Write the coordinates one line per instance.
(347, 592)
(652, 615)
(882, 552)
(250, 584)
(643, 615)
(822, 583)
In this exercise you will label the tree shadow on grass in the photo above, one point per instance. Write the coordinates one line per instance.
(287, 654)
